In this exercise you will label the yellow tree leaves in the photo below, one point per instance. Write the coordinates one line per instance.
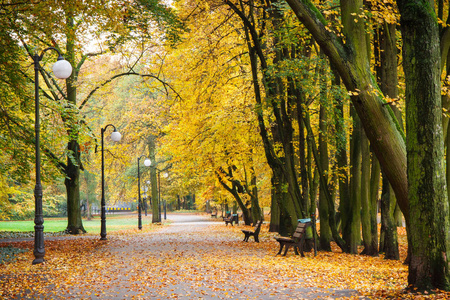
(214, 122)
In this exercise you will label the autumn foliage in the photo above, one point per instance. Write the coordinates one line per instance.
(191, 261)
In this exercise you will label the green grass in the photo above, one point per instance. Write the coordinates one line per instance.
(113, 223)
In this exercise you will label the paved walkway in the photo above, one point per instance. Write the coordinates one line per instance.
(193, 258)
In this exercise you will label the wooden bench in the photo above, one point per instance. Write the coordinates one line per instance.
(232, 218)
(254, 233)
(297, 240)
(214, 215)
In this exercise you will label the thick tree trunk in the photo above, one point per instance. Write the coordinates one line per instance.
(388, 236)
(274, 225)
(341, 157)
(286, 225)
(325, 231)
(256, 211)
(156, 217)
(72, 183)
(387, 74)
(72, 171)
(428, 205)
(302, 155)
(352, 229)
(374, 188)
(366, 209)
(88, 201)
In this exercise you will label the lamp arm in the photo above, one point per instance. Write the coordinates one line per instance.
(104, 128)
(50, 48)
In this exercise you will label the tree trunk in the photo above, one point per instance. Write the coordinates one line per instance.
(366, 209)
(386, 57)
(275, 214)
(302, 155)
(341, 157)
(374, 188)
(287, 224)
(72, 171)
(325, 231)
(331, 207)
(388, 236)
(222, 175)
(428, 204)
(88, 202)
(352, 228)
(257, 214)
(154, 182)
(72, 183)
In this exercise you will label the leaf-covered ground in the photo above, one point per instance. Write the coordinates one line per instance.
(195, 260)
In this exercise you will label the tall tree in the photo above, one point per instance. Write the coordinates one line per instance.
(69, 27)
(428, 204)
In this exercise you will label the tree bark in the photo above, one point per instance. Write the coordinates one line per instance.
(366, 208)
(388, 236)
(428, 205)
(72, 171)
(374, 188)
(352, 229)
(156, 217)
(325, 231)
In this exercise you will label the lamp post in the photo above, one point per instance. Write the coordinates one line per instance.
(62, 70)
(147, 163)
(115, 136)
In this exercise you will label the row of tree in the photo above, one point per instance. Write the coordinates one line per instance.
(293, 104)
(290, 62)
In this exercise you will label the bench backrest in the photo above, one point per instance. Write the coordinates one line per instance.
(300, 231)
(258, 226)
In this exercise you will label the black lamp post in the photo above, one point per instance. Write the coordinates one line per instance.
(147, 163)
(62, 69)
(115, 136)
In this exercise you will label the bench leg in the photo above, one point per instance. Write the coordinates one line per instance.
(286, 249)
(246, 237)
(301, 248)
(256, 238)
(281, 248)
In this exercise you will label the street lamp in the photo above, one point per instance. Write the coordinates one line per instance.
(62, 70)
(147, 163)
(115, 136)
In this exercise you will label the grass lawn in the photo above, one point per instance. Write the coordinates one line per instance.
(113, 223)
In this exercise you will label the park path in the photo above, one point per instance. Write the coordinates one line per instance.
(192, 258)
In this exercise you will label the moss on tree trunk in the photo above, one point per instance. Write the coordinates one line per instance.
(428, 206)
